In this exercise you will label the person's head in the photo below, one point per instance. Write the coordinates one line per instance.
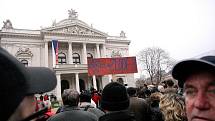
(114, 97)
(41, 97)
(155, 99)
(169, 83)
(161, 88)
(85, 96)
(147, 93)
(172, 107)
(132, 91)
(197, 76)
(145, 86)
(19, 84)
(70, 97)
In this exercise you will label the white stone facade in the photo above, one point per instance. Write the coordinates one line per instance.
(77, 41)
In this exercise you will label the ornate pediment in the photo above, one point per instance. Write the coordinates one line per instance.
(76, 30)
(73, 25)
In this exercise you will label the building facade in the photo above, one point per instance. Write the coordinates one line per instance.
(77, 41)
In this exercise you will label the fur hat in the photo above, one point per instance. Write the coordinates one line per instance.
(114, 97)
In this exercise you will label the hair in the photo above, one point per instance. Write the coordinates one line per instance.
(132, 91)
(70, 97)
(172, 107)
(85, 96)
(169, 83)
(155, 99)
(147, 93)
(41, 97)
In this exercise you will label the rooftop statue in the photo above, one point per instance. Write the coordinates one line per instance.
(72, 14)
(122, 34)
(7, 24)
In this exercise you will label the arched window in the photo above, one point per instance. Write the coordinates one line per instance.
(76, 58)
(89, 55)
(62, 58)
(25, 62)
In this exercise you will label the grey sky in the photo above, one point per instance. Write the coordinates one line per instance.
(184, 28)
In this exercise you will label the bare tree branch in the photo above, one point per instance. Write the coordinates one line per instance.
(155, 61)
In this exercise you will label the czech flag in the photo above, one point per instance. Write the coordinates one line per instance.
(55, 52)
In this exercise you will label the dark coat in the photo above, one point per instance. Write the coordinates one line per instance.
(156, 114)
(88, 107)
(117, 116)
(73, 114)
(139, 108)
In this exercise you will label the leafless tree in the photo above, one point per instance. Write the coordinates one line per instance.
(155, 61)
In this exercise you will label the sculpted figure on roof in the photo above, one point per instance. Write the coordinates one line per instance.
(72, 14)
(7, 24)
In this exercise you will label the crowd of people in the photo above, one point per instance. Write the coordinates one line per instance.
(164, 102)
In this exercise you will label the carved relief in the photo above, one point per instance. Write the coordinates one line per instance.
(24, 52)
(116, 53)
(76, 30)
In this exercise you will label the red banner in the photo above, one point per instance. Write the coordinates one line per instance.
(104, 66)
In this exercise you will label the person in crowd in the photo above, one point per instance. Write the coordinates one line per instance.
(96, 97)
(40, 103)
(140, 93)
(46, 97)
(170, 87)
(138, 106)
(70, 110)
(115, 103)
(86, 105)
(172, 107)
(19, 84)
(145, 86)
(164, 84)
(161, 88)
(54, 102)
(147, 94)
(155, 99)
(156, 114)
(46, 115)
(197, 77)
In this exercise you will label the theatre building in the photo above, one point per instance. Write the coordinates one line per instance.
(77, 41)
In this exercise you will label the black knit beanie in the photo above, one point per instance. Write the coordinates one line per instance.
(114, 97)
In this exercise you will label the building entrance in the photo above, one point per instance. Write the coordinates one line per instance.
(64, 85)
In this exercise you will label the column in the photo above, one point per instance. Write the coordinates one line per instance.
(104, 51)
(97, 51)
(46, 54)
(58, 87)
(70, 58)
(77, 82)
(94, 82)
(84, 53)
(110, 77)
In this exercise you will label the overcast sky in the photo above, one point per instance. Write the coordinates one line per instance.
(184, 28)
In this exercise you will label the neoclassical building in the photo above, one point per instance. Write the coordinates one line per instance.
(77, 41)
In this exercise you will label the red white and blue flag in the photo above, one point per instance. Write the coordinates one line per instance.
(55, 52)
